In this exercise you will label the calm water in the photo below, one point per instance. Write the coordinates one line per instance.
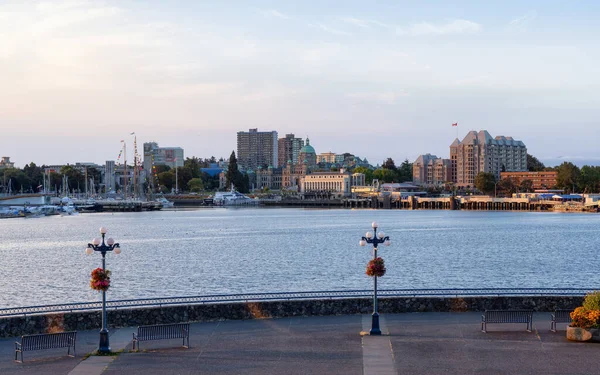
(175, 253)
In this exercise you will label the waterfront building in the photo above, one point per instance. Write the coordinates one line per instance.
(256, 149)
(287, 177)
(288, 148)
(430, 170)
(540, 180)
(479, 152)
(308, 155)
(336, 183)
(6, 163)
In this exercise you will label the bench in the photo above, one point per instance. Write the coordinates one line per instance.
(45, 341)
(507, 316)
(162, 332)
(560, 316)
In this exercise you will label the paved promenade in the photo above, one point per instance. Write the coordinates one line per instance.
(418, 343)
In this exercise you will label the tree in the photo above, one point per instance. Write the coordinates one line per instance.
(193, 165)
(589, 179)
(405, 172)
(526, 186)
(384, 175)
(367, 172)
(485, 182)
(389, 164)
(507, 186)
(567, 176)
(232, 171)
(167, 179)
(533, 164)
(195, 185)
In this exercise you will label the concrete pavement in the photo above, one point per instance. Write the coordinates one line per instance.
(418, 343)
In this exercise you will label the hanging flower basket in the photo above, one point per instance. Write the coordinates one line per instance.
(100, 280)
(376, 267)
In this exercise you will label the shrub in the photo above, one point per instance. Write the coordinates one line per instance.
(592, 301)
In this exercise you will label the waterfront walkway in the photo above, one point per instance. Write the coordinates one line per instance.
(418, 343)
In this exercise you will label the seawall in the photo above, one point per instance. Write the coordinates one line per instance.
(76, 321)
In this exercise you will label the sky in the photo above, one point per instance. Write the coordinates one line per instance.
(374, 78)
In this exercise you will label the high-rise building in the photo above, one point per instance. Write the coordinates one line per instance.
(430, 170)
(154, 155)
(479, 152)
(256, 149)
(288, 149)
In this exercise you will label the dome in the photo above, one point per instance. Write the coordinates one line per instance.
(308, 149)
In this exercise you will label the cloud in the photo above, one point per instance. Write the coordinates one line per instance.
(520, 23)
(364, 24)
(388, 97)
(328, 29)
(452, 27)
(272, 13)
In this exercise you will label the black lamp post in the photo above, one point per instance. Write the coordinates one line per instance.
(99, 245)
(375, 239)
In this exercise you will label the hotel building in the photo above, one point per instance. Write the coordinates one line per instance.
(256, 149)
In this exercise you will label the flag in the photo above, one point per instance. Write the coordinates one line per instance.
(122, 140)
(132, 133)
(455, 124)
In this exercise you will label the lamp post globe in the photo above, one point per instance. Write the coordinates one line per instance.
(103, 246)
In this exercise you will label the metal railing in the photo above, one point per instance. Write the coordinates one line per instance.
(290, 296)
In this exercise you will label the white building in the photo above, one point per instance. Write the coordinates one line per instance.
(340, 183)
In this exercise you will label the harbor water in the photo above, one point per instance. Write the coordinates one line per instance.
(228, 250)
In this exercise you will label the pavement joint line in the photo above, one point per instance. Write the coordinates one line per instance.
(95, 365)
(208, 339)
(378, 356)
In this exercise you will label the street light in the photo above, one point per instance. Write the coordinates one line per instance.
(375, 239)
(99, 245)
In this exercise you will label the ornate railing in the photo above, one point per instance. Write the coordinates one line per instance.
(289, 296)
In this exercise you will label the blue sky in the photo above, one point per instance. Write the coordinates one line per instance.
(378, 79)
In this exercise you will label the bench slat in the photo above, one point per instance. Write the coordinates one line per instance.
(507, 316)
(161, 332)
(46, 341)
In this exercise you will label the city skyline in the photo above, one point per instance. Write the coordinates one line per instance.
(78, 76)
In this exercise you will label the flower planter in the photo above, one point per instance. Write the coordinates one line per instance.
(583, 334)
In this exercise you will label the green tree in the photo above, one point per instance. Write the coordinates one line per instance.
(195, 185)
(589, 179)
(367, 172)
(507, 186)
(167, 179)
(389, 164)
(533, 164)
(526, 186)
(485, 182)
(405, 172)
(193, 165)
(567, 176)
(384, 175)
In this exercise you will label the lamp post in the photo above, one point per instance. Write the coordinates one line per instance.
(375, 239)
(103, 247)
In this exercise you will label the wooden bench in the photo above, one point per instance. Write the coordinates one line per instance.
(560, 316)
(162, 332)
(507, 316)
(45, 341)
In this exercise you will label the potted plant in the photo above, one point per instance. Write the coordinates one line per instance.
(585, 320)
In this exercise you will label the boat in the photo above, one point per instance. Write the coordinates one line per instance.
(165, 202)
(232, 198)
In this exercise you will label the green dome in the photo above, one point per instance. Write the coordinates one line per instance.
(308, 149)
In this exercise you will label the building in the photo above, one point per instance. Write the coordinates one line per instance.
(540, 180)
(288, 149)
(326, 157)
(256, 149)
(308, 155)
(154, 155)
(110, 176)
(336, 183)
(479, 152)
(288, 177)
(6, 163)
(430, 170)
